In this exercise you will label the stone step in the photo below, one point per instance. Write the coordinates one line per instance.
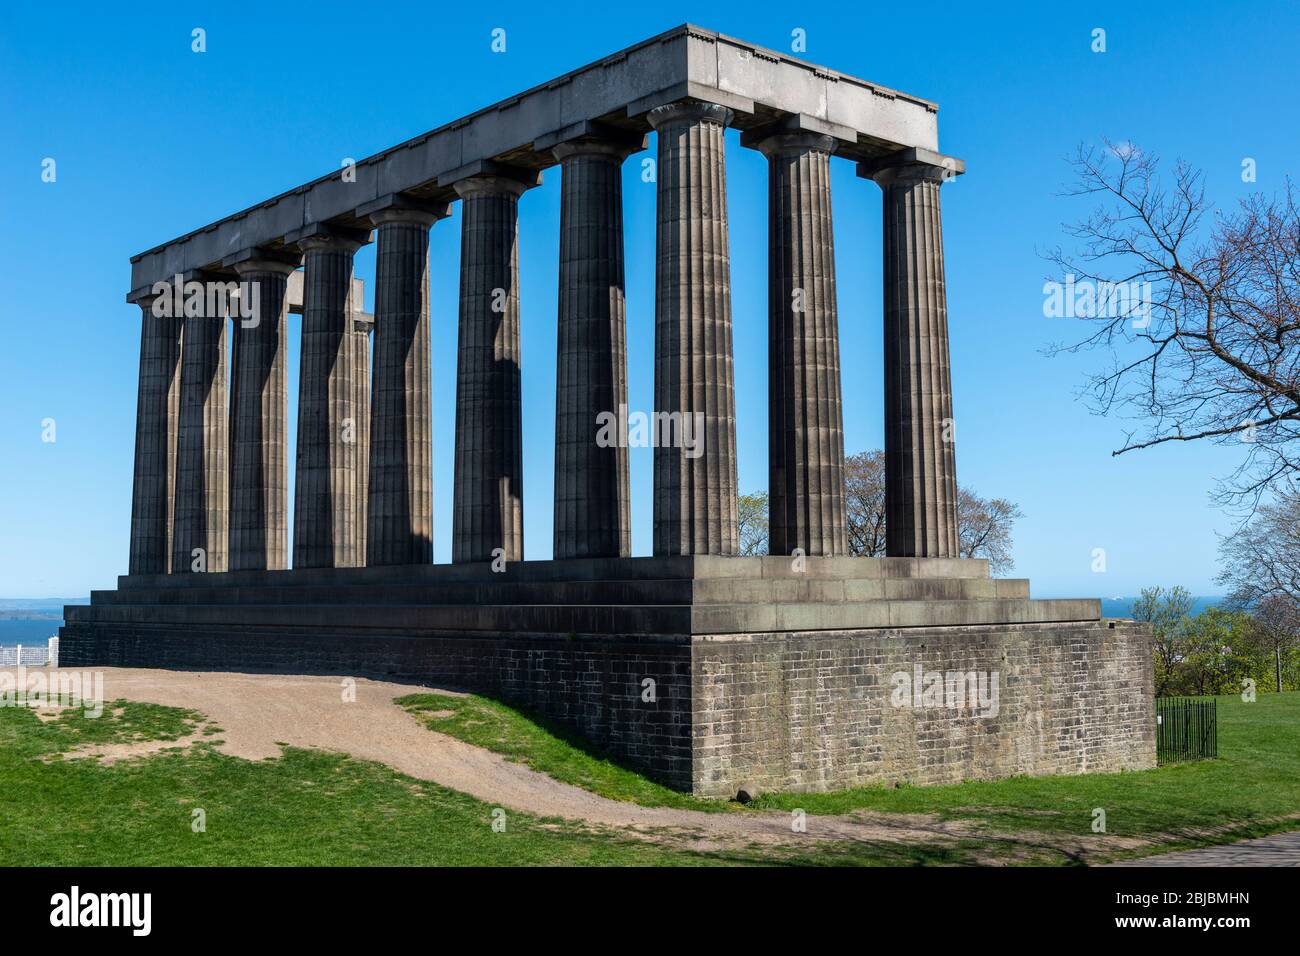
(623, 620)
(675, 591)
(698, 567)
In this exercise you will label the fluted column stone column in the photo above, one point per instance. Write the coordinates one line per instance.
(695, 490)
(259, 404)
(920, 459)
(592, 500)
(156, 420)
(329, 501)
(399, 525)
(360, 328)
(805, 417)
(200, 533)
(487, 511)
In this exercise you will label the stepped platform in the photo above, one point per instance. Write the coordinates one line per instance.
(708, 672)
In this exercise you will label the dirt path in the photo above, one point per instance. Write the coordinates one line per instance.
(257, 713)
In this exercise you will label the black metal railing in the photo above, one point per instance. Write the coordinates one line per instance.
(1186, 729)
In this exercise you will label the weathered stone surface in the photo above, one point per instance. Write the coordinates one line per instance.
(156, 420)
(592, 500)
(488, 507)
(824, 711)
(200, 530)
(695, 492)
(920, 431)
(259, 411)
(333, 413)
(399, 526)
(805, 449)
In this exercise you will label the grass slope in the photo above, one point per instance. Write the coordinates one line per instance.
(544, 746)
(1250, 791)
(313, 808)
(308, 808)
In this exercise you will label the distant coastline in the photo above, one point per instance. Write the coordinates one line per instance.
(32, 620)
(1123, 606)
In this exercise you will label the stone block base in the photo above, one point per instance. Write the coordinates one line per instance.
(651, 660)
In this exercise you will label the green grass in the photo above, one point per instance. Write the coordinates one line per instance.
(314, 808)
(307, 808)
(1249, 791)
(545, 746)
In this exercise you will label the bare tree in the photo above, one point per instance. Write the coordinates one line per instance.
(1260, 565)
(984, 526)
(1262, 558)
(752, 521)
(1210, 348)
(984, 529)
(864, 500)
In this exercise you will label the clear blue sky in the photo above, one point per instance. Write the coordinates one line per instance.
(152, 140)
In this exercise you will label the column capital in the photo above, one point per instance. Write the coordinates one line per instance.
(590, 138)
(259, 259)
(324, 236)
(914, 164)
(477, 187)
(689, 111)
(402, 207)
(783, 143)
(484, 177)
(615, 150)
(797, 133)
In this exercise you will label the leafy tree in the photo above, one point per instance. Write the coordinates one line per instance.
(1166, 612)
(1216, 652)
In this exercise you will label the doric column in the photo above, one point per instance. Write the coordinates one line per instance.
(487, 512)
(920, 461)
(592, 504)
(259, 470)
(360, 328)
(201, 523)
(695, 406)
(805, 446)
(156, 412)
(329, 502)
(399, 525)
